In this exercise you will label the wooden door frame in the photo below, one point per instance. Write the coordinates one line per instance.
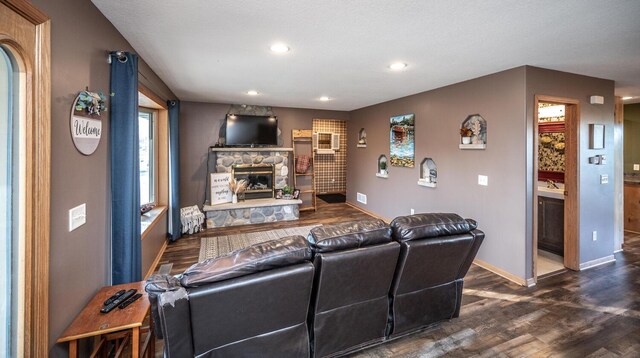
(36, 68)
(572, 189)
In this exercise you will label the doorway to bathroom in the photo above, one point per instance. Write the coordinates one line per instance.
(555, 213)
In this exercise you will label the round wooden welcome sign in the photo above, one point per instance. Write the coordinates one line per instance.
(85, 124)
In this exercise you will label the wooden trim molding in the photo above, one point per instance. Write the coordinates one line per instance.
(509, 276)
(597, 262)
(27, 11)
(386, 220)
(156, 214)
(152, 269)
(571, 202)
(152, 96)
(31, 47)
(618, 174)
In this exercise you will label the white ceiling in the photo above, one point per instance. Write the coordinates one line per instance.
(215, 51)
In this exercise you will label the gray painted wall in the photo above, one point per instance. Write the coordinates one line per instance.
(596, 200)
(80, 39)
(498, 207)
(199, 128)
(504, 208)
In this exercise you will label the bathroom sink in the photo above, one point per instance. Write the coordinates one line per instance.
(551, 193)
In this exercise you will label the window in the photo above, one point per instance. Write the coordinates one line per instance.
(147, 128)
(9, 208)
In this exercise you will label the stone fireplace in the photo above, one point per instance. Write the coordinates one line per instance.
(267, 169)
(260, 178)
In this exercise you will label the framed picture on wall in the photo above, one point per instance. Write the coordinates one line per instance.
(402, 129)
(596, 136)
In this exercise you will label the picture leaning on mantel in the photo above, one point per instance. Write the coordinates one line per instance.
(402, 140)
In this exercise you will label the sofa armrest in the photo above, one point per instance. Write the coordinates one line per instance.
(171, 314)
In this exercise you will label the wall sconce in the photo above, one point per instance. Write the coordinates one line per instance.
(596, 100)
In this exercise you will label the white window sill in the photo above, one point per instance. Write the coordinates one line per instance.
(149, 219)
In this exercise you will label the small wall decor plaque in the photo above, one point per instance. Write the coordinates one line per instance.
(85, 123)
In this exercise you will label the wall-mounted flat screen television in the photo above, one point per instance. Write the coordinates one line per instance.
(251, 131)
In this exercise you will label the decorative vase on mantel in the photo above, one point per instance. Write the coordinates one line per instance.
(466, 140)
(234, 198)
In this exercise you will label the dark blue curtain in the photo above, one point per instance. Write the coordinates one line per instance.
(126, 250)
(175, 225)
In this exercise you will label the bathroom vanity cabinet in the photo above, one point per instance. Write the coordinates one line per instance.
(551, 225)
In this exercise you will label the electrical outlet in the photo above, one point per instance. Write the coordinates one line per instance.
(604, 179)
(77, 217)
(413, 211)
(483, 180)
(594, 236)
(362, 198)
(636, 167)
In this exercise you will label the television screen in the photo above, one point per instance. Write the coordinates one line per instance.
(242, 130)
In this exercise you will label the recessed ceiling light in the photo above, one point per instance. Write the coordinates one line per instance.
(252, 93)
(324, 98)
(279, 48)
(626, 98)
(397, 66)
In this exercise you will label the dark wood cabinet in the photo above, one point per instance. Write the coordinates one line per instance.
(551, 225)
(632, 207)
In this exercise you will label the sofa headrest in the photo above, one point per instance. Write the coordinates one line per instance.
(260, 257)
(349, 235)
(421, 226)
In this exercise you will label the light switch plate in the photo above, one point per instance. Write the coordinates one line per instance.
(483, 180)
(77, 216)
(636, 167)
(604, 179)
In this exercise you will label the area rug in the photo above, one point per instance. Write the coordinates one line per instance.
(333, 198)
(221, 245)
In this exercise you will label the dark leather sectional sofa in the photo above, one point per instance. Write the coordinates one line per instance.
(346, 287)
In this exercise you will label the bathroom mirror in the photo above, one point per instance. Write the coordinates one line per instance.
(551, 142)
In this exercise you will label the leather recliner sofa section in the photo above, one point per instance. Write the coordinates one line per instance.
(250, 303)
(355, 263)
(436, 253)
(346, 287)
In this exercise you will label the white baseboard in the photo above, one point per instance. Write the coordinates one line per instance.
(597, 262)
(509, 276)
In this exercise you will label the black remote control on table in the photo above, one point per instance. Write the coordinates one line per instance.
(118, 301)
(130, 300)
(113, 297)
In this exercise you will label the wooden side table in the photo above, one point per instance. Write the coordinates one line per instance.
(92, 323)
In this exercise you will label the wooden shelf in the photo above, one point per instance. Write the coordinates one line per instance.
(472, 146)
(304, 137)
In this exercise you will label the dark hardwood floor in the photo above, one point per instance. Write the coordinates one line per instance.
(593, 313)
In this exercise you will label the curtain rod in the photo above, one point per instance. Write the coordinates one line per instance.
(120, 55)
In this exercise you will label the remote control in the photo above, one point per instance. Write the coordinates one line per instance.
(113, 297)
(118, 301)
(130, 300)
